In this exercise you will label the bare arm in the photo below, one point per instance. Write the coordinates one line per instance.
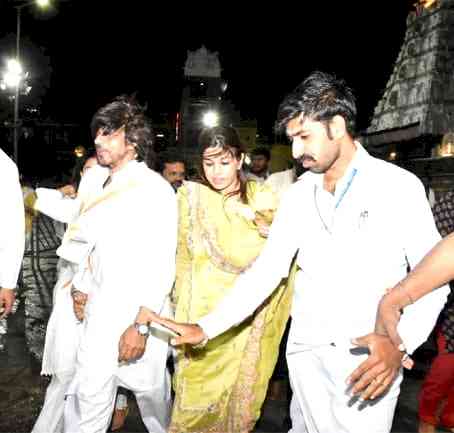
(434, 270)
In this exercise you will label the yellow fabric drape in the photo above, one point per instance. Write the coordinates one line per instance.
(30, 197)
(221, 387)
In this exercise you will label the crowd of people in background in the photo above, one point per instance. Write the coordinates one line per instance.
(216, 263)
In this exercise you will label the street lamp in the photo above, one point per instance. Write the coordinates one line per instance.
(210, 119)
(18, 71)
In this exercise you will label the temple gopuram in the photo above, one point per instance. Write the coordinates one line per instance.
(413, 123)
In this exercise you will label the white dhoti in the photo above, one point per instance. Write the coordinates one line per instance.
(321, 401)
(50, 419)
(60, 350)
(91, 397)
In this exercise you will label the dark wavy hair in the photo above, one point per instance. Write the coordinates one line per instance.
(125, 112)
(319, 97)
(168, 157)
(226, 139)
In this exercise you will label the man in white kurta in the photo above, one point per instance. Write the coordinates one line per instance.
(125, 244)
(12, 232)
(63, 329)
(357, 223)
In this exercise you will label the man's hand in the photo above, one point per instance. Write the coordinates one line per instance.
(189, 333)
(7, 298)
(131, 345)
(374, 376)
(68, 191)
(79, 301)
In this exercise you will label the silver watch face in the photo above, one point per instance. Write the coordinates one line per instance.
(142, 329)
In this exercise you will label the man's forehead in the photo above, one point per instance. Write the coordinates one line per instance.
(299, 124)
(296, 125)
(174, 165)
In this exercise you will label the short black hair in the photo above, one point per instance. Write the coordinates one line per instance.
(168, 158)
(320, 97)
(261, 151)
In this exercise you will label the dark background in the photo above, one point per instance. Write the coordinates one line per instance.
(92, 50)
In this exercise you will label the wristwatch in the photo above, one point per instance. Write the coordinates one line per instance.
(142, 328)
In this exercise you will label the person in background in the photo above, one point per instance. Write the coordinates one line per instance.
(29, 197)
(172, 168)
(259, 167)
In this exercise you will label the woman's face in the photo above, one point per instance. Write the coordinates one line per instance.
(221, 169)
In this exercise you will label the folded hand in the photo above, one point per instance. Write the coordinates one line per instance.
(79, 301)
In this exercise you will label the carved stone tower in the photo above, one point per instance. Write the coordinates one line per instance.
(417, 107)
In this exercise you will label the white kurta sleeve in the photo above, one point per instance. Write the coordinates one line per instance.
(271, 266)
(52, 203)
(420, 235)
(12, 227)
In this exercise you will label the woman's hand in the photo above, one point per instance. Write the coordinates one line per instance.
(68, 191)
(263, 221)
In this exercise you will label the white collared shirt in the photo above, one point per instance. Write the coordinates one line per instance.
(12, 227)
(353, 245)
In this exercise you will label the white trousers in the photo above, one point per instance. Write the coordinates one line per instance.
(91, 413)
(321, 401)
(50, 419)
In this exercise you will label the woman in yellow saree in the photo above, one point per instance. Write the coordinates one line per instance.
(220, 388)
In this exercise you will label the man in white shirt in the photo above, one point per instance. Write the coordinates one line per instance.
(124, 243)
(12, 233)
(260, 159)
(357, 223)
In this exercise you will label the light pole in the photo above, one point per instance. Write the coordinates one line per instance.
(43, 4)
(210, 119)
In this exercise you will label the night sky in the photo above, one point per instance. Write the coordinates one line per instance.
(98, 49)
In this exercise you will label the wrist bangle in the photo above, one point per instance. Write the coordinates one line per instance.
(405, 358)
(202, 344)
(400, 286)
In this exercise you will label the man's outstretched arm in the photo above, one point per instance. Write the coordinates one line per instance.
(256, 284)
